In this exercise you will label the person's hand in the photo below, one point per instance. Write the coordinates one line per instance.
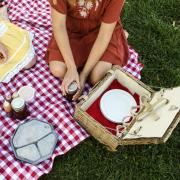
(82, 79)
(70, 76)
(3, 53)
(126, 34)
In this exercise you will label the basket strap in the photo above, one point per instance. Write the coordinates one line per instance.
(111, 71)
(83, 98)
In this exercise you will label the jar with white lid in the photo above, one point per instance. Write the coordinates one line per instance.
(19, 108)
(72, 89)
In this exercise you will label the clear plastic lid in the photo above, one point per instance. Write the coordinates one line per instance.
(18, 104)
(27, 93)
(72, 87)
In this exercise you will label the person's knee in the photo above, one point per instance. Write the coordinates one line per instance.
(57, 70)
(99, 71)
(94, 78)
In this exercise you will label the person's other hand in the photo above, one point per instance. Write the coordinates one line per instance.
(70, 76)
(82, 79)
(126, 34)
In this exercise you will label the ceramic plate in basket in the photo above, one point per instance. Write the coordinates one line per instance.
(116, 104)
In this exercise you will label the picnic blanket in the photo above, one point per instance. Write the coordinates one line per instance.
(49, 104)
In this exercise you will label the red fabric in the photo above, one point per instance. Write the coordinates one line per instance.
(83, 24)
(113, 11)
(95, 112)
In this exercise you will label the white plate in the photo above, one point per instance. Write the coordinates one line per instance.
(116, 105)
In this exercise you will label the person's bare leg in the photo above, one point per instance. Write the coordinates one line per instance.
(31, 64)
(99, 71)
(58, 69)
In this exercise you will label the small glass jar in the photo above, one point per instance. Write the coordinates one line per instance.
(8, 98)
(72, 89)
(15, 95)
(19, 108)
(7, 106)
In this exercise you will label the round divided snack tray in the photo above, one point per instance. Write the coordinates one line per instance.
(34, 141)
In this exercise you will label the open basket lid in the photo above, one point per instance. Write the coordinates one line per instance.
(157, 126)
(151, 131)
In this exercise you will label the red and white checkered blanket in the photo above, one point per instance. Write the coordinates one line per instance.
(49, 104)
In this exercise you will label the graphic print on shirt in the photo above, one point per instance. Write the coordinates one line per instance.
(86, 6)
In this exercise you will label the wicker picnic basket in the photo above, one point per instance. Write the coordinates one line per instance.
(150, 125)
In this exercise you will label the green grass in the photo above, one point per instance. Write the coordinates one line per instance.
(150, 24)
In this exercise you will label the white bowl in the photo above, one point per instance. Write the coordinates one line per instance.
(27, 93)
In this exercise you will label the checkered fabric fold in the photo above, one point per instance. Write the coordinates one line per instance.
(49, 104)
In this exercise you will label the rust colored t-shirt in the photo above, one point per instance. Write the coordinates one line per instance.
(83, 23)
